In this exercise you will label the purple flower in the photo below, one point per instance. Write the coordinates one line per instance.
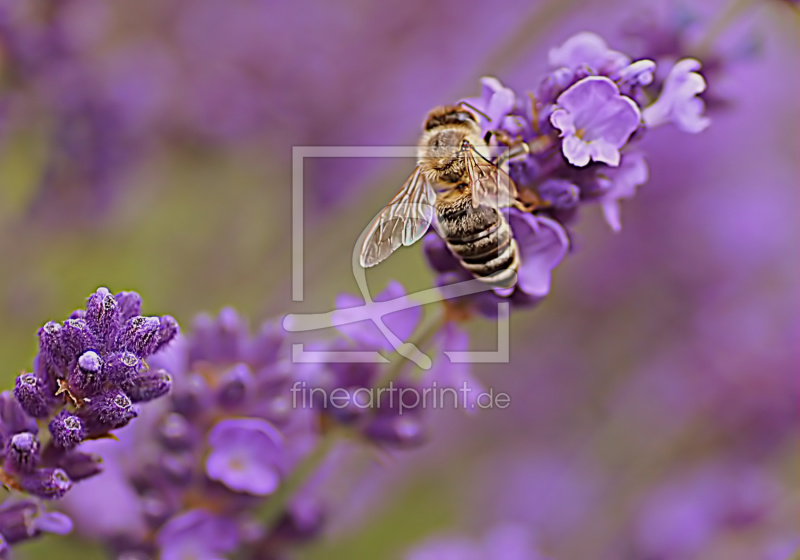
(227, 431)
(678, 102)
(587, 49)
(621, 183)
(595, 121)
(542, 242)
(24, 520)
(245, 455)
(197, 534)
(496, 102)
(88, 371)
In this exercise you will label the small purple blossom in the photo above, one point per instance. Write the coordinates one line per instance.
(587, 50)
(245, 456)
(621, 183)
(496, 102)
(595, 121)
(197, 534)
(678, 102)
(23, 520)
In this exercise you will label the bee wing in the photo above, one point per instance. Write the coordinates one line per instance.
(490, 185)
(402, 222)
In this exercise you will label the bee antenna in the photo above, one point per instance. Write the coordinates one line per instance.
(469, 105)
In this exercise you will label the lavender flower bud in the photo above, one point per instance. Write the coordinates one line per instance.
(29, 393)
(103, 317)
(168, 329)
(67, 430)
(76, 338)
(16, 521)
(79, 465)
(194, 396)
(107, 411)
(148, 386)
(120, 367)
(130, 305)
(140, 335)
(22, 453)
(176, 433)
(12, 418)
(156, 509)
(50, 346)
(49, 484)
(85, 378)
(234, 386)
(178, 467)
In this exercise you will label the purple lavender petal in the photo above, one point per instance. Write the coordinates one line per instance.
(595, 121)
(678, 102)
(587, 49)
(622, 183)
(53, 522)
(197, 534)
(246, 455)
(543, 243)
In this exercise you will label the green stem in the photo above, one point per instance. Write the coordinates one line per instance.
(270, 513)
(275, 507)
(795, 555)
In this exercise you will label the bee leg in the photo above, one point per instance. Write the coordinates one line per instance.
(529, 201)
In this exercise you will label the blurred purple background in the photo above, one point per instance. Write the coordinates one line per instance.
(655, 397)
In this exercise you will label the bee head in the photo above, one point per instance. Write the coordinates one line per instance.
(449, 115)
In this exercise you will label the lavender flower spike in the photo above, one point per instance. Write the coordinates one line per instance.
(595, 121)
(678, 102)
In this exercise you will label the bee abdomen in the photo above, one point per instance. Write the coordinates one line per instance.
(490, 254)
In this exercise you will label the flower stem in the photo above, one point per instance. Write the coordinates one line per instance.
(270, 513)
(795, 555)
(275, 507)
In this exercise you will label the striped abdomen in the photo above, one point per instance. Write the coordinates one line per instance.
(482, 240)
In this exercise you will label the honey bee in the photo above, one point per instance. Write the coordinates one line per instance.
(459, 189)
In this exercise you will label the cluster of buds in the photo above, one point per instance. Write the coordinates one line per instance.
(89, 373)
